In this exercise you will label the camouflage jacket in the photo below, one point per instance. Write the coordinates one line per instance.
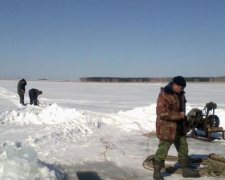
(168, 113)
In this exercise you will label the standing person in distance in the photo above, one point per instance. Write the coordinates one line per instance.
(171, 127)
(21, 90)
(33, 94)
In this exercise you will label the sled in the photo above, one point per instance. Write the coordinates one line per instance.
(212, 165)
(205, 120)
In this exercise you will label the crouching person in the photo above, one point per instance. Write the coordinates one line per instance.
(33, 94)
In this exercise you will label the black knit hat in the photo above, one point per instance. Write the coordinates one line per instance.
(179, 80)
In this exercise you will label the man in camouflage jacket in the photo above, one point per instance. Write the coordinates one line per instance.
(171, 127)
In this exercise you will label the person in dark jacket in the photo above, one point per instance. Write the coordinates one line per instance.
(171, 128)
(33, 94)
(21, 90)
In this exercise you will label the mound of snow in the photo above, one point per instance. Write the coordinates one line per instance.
(138, 119)
(52, 114)
(56, 123)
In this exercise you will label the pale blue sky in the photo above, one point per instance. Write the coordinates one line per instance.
(68, 39)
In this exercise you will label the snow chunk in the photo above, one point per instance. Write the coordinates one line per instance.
(17, 162)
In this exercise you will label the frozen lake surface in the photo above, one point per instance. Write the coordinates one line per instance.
(91, 129)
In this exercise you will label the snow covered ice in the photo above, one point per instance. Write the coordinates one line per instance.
(90, 129)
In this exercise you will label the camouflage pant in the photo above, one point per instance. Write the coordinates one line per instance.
(180, 144)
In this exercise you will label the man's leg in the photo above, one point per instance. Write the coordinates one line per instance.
(31, 100)
(182, 146)
(159, 159)
(21, 99)
(35, 102)
(162, 150)
(182, 149)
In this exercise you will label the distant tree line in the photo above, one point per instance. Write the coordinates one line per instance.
(150, 79)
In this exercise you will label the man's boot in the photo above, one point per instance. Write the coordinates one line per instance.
(157, 165)
(187, 171)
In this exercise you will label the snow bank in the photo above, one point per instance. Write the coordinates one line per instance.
(60, 124)
(52, 114)
(138, 119)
